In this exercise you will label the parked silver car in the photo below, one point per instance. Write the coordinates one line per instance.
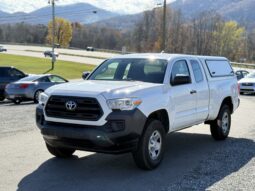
(247, 84)
(29, 88)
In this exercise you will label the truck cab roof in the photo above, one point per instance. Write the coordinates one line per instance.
(166, 56)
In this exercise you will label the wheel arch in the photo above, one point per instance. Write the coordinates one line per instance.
(229, 102)
(161, 115)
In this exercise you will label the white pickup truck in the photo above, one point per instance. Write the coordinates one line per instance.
(129, 104)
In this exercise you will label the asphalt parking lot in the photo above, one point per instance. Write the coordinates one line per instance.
(193, 160)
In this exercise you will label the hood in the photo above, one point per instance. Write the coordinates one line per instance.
(109, 89)
(247, 80)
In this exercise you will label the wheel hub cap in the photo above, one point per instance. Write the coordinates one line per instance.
(154, 146)
(225, 122)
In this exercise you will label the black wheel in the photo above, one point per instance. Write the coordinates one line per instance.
(36, 96)
(17, 101)
(151, 146)
(60, 152)
(2, 98)
(220, 127)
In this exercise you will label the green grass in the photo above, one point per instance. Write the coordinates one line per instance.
(31, 65)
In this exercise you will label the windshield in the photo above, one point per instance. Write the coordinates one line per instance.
(251, 75)
(145, 70)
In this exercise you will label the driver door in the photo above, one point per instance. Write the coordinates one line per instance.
(182, 96)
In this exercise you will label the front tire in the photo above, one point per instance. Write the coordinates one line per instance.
(151, 146)
(60, 152)
(220, 127)
(36, 96)
(2, 98)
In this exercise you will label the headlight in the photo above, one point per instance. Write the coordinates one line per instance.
(124, 104)
(43, 97)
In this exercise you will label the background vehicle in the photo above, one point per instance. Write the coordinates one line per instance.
(90, 48)
(50, 54)
(7, 75)
(57, 45)
(247, 84)
(241, 74)
(2, 49)
(129, 104)
(85, 75)
(29, 88)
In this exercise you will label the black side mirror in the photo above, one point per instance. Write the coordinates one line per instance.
(180, 80)
(85, 75)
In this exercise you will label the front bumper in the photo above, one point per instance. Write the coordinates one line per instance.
(119, 135)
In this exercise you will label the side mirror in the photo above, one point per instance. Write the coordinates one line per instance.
(85, 75)
(180, 80)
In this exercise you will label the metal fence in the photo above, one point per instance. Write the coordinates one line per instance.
(243, 65)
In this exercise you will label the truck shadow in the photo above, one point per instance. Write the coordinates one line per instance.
(192, 162)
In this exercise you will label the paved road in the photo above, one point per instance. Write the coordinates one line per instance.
(81, 56)
(193, 160)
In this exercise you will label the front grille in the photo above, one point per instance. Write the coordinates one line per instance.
(247, 84)
(247, 90)
(87, 108)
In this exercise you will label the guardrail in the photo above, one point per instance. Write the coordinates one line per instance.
(243, 65)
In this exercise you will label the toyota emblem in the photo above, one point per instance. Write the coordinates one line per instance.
(71, 105)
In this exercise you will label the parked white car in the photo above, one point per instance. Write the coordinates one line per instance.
(129, 104)
(247, 84)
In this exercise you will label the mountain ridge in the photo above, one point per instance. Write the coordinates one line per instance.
(80, 12)
(241, 11)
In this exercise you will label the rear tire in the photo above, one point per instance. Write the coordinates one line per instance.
(60, 152)
(151, 146)
(17, 101)
(220, 127)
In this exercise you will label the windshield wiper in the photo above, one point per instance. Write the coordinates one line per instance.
(131, 80)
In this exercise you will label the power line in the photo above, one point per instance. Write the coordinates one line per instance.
(48, 14)
(35, 18)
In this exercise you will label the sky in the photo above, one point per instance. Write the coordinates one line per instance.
(120, 6)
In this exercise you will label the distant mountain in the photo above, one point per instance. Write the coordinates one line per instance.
(241, 11)
(80, 12)
(3, 14)
(121, 22)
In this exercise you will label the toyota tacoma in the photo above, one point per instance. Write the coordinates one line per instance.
(129, 104)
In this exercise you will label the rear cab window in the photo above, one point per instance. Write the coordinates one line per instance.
(197, 71)
(219, 68)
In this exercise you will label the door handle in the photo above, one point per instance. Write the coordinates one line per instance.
(193, 92)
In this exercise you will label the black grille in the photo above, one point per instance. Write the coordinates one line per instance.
(87, 108)
(247, 84)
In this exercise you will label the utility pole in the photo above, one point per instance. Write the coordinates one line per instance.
(163, 42)
(53, 58)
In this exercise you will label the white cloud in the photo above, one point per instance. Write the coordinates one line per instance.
(121, 6)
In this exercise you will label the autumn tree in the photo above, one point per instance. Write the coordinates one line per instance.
(229, 40)
(63, 32)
